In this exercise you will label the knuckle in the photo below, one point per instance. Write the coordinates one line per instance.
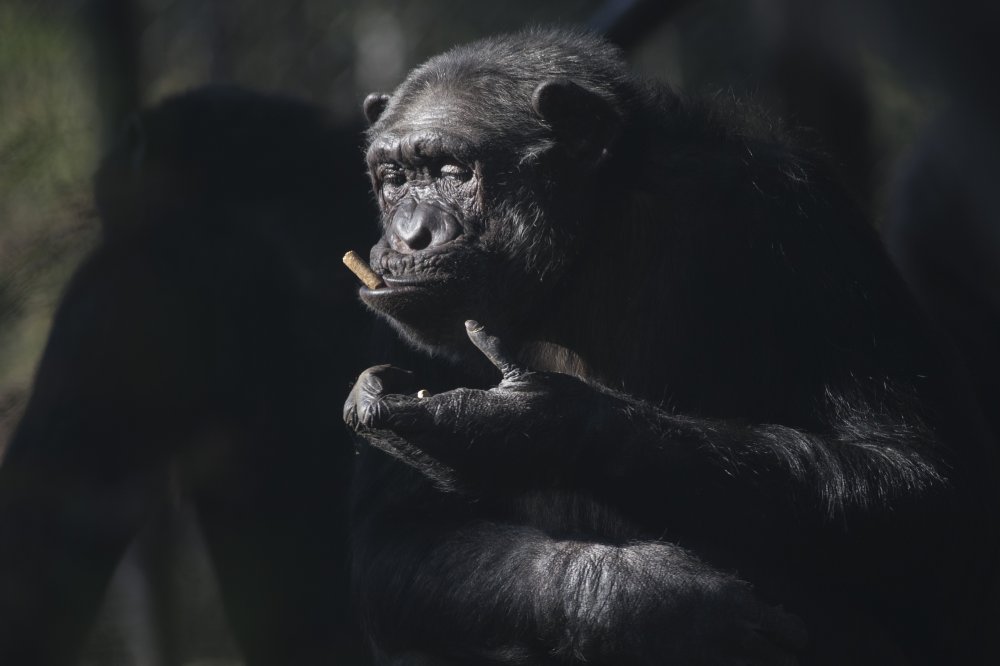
(371, 412)
(350, 411)
(370, 381)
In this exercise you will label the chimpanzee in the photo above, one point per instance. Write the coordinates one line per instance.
(721, 434)
(206, 337)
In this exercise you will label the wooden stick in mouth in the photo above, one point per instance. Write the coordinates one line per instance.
(360, 268)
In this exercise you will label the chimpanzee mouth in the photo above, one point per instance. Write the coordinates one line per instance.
(425, 288)
(427, 296)
(400, 282)
(406, 273)
(399, 286)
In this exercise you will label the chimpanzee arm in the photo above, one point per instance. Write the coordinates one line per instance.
(549, 428)
(88, 459)
(500, 593)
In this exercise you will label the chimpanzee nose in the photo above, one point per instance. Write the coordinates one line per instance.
(422, 226)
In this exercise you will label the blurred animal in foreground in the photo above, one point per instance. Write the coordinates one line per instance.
(203, 342)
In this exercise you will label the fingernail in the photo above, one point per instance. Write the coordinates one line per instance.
(473, 326)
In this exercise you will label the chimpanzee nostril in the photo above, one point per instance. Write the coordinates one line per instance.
(414, 233)
(421, 227)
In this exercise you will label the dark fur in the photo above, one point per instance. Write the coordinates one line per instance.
(206, 336)
(761, 401)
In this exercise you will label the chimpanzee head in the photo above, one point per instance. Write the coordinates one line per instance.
(485, 163)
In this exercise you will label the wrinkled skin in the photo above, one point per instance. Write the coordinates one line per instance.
(714, 434)
(503, 420)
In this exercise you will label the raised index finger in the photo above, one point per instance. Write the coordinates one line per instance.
(495, 351)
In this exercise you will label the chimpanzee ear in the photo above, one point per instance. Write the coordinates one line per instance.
(584, 122)
(374, 105)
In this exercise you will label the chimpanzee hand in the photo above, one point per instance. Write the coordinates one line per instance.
(470, 431)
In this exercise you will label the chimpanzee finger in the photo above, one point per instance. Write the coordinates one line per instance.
(402, 414)
(370, 386)
(494, 350)
(387, 379)
(440, 425)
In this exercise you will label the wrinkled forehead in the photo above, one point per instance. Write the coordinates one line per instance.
(440, 122)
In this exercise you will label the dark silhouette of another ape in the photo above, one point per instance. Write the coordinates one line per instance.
(711, 377)
(209, 333)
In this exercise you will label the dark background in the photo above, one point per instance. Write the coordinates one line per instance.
(877, 82)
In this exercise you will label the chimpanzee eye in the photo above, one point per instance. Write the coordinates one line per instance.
(455, 172)
(391, 175)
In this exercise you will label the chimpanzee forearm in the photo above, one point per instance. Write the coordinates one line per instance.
(543, 429)
(448, 582)
(863, 459)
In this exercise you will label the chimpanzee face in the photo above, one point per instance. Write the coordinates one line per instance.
(455, 203)
(483, 200)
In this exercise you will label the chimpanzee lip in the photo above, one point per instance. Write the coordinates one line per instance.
(431, 264)
(410, 280)
(399, 286)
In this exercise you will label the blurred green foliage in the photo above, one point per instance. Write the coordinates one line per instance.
(47, 152)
